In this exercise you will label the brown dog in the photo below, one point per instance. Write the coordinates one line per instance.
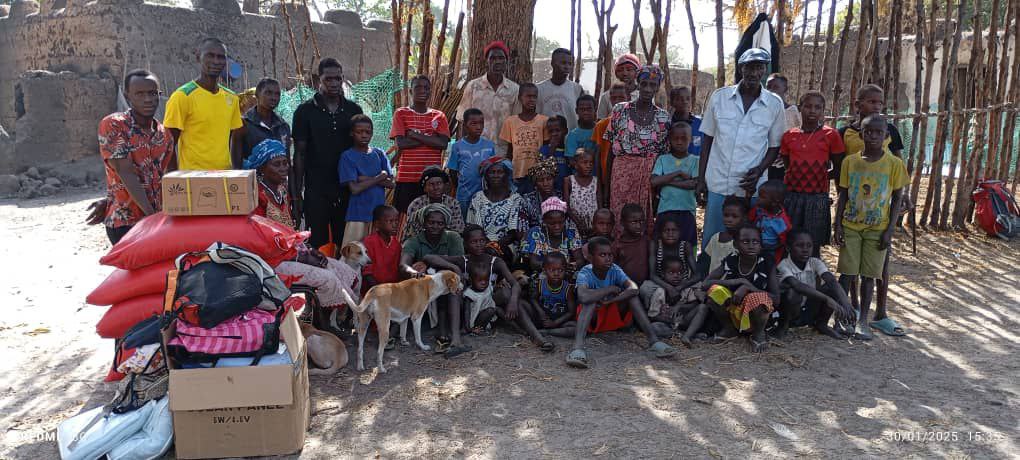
(327, 354)
(398, 302)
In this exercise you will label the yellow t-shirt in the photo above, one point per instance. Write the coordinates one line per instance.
(205, 120)
(870, 185)
(526, 137)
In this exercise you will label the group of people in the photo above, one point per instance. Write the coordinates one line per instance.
(564, 214)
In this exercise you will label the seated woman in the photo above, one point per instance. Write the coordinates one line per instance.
(553, 236)
(436, 183)
(332, 279)
(543, 176)
(436, 240)
(488, 278)
(497, 208)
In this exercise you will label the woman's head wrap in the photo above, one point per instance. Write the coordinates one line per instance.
(544, 166)
(627, 59)
(484, 166)
(263, 152)
(650, 71)
(423, 213)
(432, 172)
(553, 204)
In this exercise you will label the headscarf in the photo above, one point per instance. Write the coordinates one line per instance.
(553, 204)
(650, 71)
(263, 152)
(484, 166)
(628, 59)
(544, 166)
(420, 216)
(433, 172)
(496, 44)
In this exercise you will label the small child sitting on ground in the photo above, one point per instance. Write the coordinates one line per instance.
(659, 295)
(744, 290)
(688, 315)
(606, 295)
(552, 298)
(810, 293)
(602, 224)
(630, 250)
(770, 217)
(720, 245)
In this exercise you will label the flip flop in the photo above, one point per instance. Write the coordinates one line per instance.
(758, 347)
(889, 327)
(442, 345)
(547, 346)
(662, 350)
(865, 333)
(578, 358)
(453, 352)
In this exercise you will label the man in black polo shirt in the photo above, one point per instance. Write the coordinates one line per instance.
(322, 131)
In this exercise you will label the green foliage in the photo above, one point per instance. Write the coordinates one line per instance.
(544, 47)
(367, 9)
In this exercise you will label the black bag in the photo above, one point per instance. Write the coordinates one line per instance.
(144, 332)
(215, 292)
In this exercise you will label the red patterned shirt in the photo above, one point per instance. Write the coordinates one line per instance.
(150, 151)
(413, 161)
(807, 157)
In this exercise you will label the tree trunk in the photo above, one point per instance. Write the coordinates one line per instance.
(929, 71)
(814, 47)
(636, 27)
(858, 69)
(890, 45)
(876, 63)
(662, 30)
(942, 130)
(511, 21)
(579, 59)
(425, 43)
(913, 154)
(991, 88)
(1014, 93)
(720, 71)
(781, 22)
(828, 45)
(1006, 155)
(694, 66)
(844, 35)
(800, 55)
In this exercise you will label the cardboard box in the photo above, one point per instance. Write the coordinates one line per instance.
(209, 193)
(242, 411)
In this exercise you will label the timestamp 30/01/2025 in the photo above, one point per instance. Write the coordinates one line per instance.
(945, 436)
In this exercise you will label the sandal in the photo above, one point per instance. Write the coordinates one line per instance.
(578, 358)
(865, 333)
(452, 352)
(662, 350)
(442, 345)
(547, 346)
(889, 327)
(758, 347)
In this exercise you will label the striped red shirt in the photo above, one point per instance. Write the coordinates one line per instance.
(413, 161)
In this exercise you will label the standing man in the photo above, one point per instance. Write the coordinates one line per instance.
(136, 150)
(492, 93)
(202, 115)
(558, 95)
(421, 134)
(625, 69)
(742, 126)
(322, 130)
(261, 122)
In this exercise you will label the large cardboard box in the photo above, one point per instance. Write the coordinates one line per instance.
(209, 193)
(242, 411)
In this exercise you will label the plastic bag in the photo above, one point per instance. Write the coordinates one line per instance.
(123, 315)
(153, 440)
(125, 284)
(107, 433)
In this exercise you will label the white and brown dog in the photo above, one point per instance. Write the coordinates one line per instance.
(398, 302)
(355, 256)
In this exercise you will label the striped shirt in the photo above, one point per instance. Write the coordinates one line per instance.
(413, 161)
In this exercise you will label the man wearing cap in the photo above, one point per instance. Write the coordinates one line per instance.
(492, 93)
(626, 69)
(742, 127)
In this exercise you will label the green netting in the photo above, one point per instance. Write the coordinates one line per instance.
(375, 96)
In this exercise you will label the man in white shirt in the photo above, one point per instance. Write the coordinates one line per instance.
(742, 127)
(558, 95)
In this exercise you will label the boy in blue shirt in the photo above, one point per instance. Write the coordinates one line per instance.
(674, 177)
(580, 137)
(366, 171)
(607, 296)
(680, 100)
(465, 157)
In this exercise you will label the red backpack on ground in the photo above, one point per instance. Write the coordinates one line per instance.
(996, 210)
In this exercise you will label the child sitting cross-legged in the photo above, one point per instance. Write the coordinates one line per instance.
(608, 300)
(770, 217)
(720, 245)
(552, 298)
(810, 293)
(673, 293)
(743, 291)
(602, 224)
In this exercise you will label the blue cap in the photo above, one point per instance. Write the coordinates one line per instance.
(755, 55)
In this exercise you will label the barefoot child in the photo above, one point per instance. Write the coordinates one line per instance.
(870, 188)
(720, 245)
(552, 299)
(659, 294)
(630, 250)
(808, 151)
(674, 177)
(770, 217)
(744, 289)
(810, 293)
(466, 155)
(523, 135)
(553, 235)
(602, 224)
(688, 315)
(608, 300)
(366, 171)
(556, 128)
(383, 249)
(582, 191)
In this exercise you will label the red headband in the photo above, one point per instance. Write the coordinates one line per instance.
(497, 44)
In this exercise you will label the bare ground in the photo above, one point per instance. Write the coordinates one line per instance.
(948, 389)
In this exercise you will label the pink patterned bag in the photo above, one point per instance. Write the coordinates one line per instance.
(245, 333)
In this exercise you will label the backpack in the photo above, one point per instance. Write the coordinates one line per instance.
(207, 288)
(996, 210)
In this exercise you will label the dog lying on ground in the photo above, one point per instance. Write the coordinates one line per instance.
(398, 302)
(327, 354)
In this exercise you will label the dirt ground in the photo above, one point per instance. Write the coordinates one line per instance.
(948, 389)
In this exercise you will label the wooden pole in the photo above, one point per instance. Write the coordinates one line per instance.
(455, 53)
(662, 30)
(607, 72)
(600, 21)
(844, 35)
(1014, 94)
(579, 61)
(635, 27)
(425, 45)
(720, 75)
(396, 10)
(298, 66)
(858, 69)
(1006, 154)
(311, 30)
(694, 66)
(828, 46)
(780, 23)
(573, 25)
(406, 50)
(800, 55)
(890, 46)
(991, 89)
(814, 48)
(914, 153)
(929, 70)
(437, 69)
(876, 62)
